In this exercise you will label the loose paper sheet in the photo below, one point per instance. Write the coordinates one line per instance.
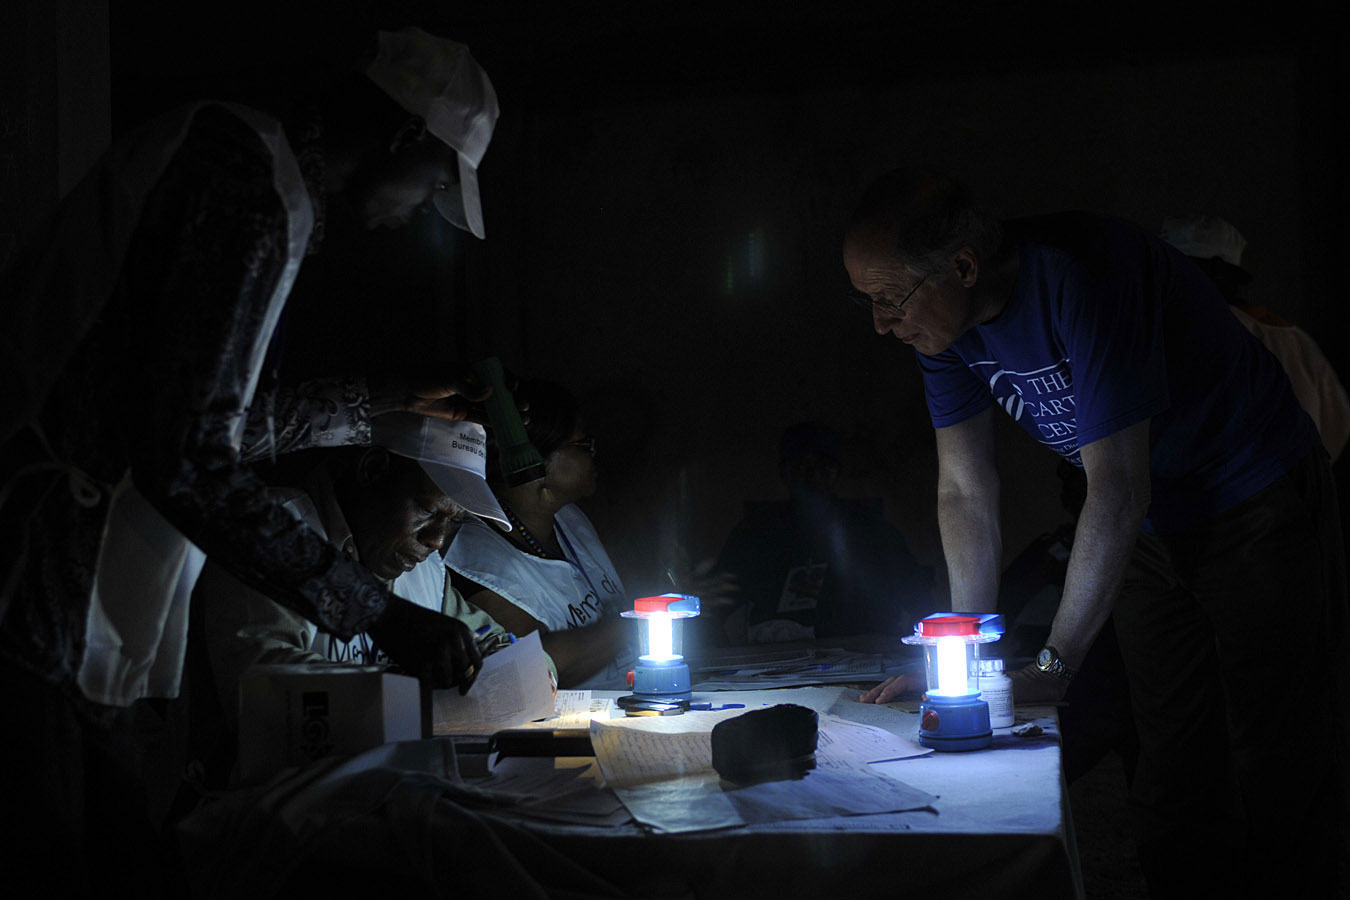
(575, 709)
(661, 767)
(654, 748)
(512, 689)
(863, 743)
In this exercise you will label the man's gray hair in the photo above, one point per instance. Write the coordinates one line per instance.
(931, 216)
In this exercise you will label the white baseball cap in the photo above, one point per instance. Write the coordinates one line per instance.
(453, 454)
(1205, 237)
(439, 80)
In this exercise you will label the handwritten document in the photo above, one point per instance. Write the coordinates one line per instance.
(652, 748)
(856, 742)
(661, 767)
(512, 689)
(575, 709)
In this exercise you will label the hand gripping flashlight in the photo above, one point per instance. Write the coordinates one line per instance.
(516, 456)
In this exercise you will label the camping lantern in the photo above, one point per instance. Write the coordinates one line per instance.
(661, 674)
(952, 715)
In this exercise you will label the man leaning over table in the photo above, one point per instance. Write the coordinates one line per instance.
(1210, 524)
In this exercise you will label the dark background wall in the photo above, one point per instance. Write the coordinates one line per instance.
(54, 106)
(668, 183)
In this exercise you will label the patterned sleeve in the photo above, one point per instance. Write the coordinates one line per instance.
(201, 269)
(321, 412)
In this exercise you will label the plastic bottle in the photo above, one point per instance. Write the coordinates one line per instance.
(996, 690)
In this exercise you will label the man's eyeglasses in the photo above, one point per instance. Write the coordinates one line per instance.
(869, 304)
(586, 443)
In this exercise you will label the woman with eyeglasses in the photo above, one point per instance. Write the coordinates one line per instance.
(550, 573)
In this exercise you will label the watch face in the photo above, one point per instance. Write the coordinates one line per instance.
(1044, 658)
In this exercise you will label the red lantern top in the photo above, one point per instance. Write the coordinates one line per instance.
(652, 604)
(949, 626)
(678, 606)
(975, 628)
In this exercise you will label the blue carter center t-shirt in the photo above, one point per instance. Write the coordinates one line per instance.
(1108, 326)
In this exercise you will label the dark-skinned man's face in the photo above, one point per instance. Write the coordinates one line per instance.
(399, 519)
(401, 186)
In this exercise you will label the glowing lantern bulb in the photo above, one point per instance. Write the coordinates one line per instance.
(660, 637)
(952, 671)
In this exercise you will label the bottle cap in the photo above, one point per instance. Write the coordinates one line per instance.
(989, 666)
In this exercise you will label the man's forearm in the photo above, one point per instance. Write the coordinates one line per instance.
(972, 542)
(1103, 541)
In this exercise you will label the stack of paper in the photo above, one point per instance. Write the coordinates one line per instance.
(661, 767)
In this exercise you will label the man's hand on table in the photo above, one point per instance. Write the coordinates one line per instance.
(1031, 685)
(715, 589)
(438, 649)
(895, 687)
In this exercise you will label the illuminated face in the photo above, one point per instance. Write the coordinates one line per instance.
(400, 519)
(937, 312)
(392, 192)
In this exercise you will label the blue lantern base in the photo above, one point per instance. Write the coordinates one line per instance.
(954, 723)
(662, 680)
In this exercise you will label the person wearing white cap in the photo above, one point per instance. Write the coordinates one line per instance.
(132, 342)
(1216, 247)
(393, 507)
(439, 82)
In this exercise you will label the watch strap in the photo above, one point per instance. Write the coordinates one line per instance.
(1056, 666)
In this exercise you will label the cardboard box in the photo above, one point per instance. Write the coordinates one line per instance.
(291, 715)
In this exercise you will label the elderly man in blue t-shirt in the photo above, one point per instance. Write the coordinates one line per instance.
(1209, 528)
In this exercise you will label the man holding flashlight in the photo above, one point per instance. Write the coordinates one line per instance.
(1209, 500)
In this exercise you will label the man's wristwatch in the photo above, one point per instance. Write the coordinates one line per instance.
(1048, 661)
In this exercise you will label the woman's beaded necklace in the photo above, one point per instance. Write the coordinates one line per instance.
(532, 543)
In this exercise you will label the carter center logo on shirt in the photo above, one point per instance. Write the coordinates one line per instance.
(1041, 401)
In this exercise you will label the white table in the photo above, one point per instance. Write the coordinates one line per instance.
(1002, 828)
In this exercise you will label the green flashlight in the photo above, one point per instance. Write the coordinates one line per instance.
(516, 456)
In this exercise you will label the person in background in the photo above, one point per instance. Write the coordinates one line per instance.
(1216, 248)
(816, 564)
(1209, 504)
(132, 341)
(550, 573)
